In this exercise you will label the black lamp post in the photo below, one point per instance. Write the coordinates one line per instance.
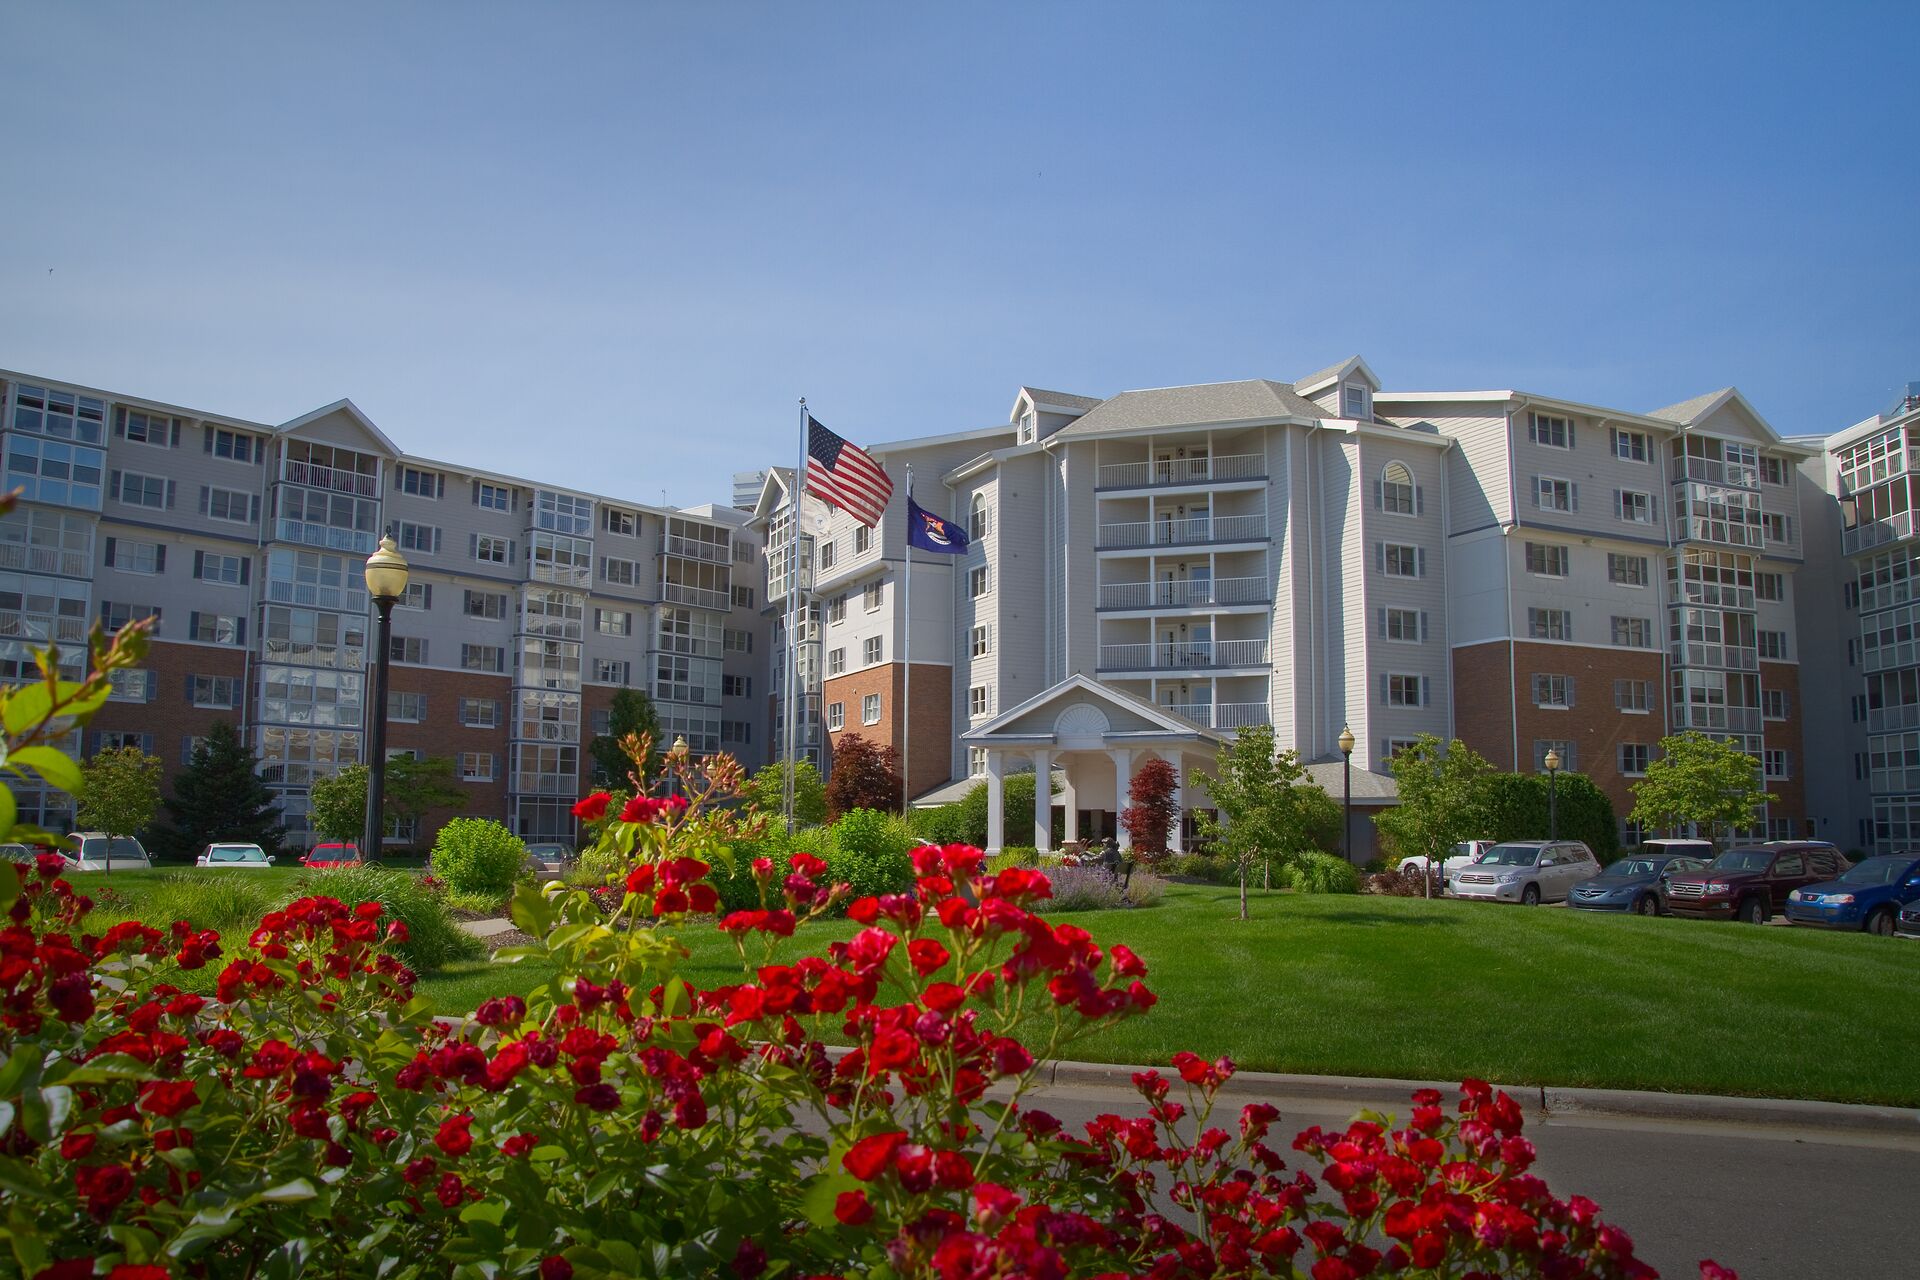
(386, 576)
(1346, 812)
(1553, 794)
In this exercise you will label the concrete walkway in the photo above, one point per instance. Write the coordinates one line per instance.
(487, 928)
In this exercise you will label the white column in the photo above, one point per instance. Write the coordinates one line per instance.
(1122, 779)
(1043, 800)
(996, 801)
(1069, 803)
(1176, 836)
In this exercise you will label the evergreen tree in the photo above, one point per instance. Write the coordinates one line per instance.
(630, 712)
(219, 796)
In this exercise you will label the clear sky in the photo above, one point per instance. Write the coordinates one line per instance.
(610, 247)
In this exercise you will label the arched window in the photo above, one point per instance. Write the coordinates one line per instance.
(977, 518)
(1396, 489)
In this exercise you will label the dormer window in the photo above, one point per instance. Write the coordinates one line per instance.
(1026, 427)
(1354, 402)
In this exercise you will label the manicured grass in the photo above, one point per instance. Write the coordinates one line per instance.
(1400, 987)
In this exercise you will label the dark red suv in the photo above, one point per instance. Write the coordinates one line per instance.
(1751, 882)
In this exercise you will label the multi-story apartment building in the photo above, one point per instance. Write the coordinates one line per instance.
(529, 605)
(1524, 572)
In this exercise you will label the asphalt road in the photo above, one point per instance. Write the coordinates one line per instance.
(1774, 1204)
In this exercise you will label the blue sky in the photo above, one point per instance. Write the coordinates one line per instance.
(610, 247)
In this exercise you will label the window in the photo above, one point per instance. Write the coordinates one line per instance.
(862, 539)
(1634, 696)
(115, 616)
(217, 628)
(977, 582)
(146, 428)
(621, 573)
(418, 595)
(114, 740)
(1633, 507)
(1626, 571)
(483, 604)
(1550, 624)
(1775, 762)
(1773, 704)
(980, 641)
(1353, 400)
(739, 641)
(1634, 633)
(977, 701)
(1553, 691)
(1391, 747)
(1554, 432)
(1550, 494)
(418, 537)
(1633, 758)
(128, 685)
(625, 523)
(1396, 489)
(743, 597)
(476, 766)
(978, 518)
(1771, 586)
(836, 716)
(612, 671)
(976, 762)
(188, 746)
(137, 490)
(483, 657)
(222, 443)
(229, 504)
(480, 713)
(1773, 644)
(613, 622)
(488, 549)
(1403, 690)
(837, 609)
(408, 708)
(870, 651)
(871, 595)
(1562, 749)
(736, 731)
(562, 513)
(129, 556)
(870, 709)
(829, 550)
(407, 649)
(1777, 528)
(1630, 446)
(1547, 560)
(836, 662)
(1773, 470)
(736, 687)
(493, 497)
(1398, 560)
(1407, 625)
(213, 691)
(421, 484)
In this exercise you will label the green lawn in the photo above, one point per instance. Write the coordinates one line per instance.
(1403, 988)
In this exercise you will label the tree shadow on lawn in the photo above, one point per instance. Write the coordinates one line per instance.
(1391, 921)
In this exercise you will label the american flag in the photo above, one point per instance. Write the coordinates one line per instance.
(843, 474)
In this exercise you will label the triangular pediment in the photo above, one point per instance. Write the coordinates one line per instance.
(1082, 712)
(341, 423)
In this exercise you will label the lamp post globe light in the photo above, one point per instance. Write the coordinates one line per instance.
(676, 783)
(386, 575)
(1346, 809)
(1553, 794)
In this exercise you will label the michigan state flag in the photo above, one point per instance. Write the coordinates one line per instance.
(929, 532)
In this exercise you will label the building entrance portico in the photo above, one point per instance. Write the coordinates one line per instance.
(1095, 738)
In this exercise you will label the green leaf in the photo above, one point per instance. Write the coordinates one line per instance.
(491, 1212)
(288, 1261)
(114, 1066)
(547, 1153)
(45, 1111)
(54, 766)
(289, 1192)
(818, 1199)
(26, 706)
(514, 955)
(18, 1070)
(674, 1000)
(19, 1178)
(532, 911)
(6, 1118)
(199, 1233)
(603, 1182)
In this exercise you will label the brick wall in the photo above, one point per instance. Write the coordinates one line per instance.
(1593, 725)
(1482, 717)
(442, 734)
(931, 748)
(1785, 735)
(171, 716)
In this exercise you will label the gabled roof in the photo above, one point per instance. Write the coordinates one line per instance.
(1055, 401)
(1169, 724)
(1688, 412)
(1212, 403)
(352, 411)
(1333, 373)
(773, 492)
(1368, 787)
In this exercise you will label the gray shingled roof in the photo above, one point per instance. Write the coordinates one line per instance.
(1254, 400)
(1319, 375)
(1687, 410)
(1061, 398)
(1368, 787)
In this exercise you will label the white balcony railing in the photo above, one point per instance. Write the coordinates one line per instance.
(1734, 475)
(1188, 593)
(324, 535)
(1876, 533)
(1223, 715)
(1183, 471)
(698, 597)
(317, 477)
(1191, 529)
(22, 558)
(1717, 718)
(696, 549)
(1183, 655)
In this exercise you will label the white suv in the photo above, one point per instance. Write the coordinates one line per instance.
(1529, 872)
(94, 855)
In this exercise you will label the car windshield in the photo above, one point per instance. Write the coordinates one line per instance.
(235, 853)
(1878, 871)
(1512, 855)
(124, 849)
(1743, 860)
(1632, 867)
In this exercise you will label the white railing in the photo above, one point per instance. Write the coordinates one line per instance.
(324, 535)
(1729, 657)
(1734, 475)
(1169, 471)
(695, 549)
(41, 627)
(1875, 533)
(21, 557)
(1183, 655)
(1183, 594)
(1168, 532)
(318, 477)
(1223, 715)
(698, 597)
(1730, 719)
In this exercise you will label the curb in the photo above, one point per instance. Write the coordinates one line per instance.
(1374, 1093)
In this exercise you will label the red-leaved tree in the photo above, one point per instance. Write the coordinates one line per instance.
(865, 775)
(1150, 818)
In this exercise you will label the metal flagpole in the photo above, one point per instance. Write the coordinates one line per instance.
(906, 693)
(797, 496)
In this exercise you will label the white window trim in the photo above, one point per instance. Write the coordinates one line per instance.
(870, 700)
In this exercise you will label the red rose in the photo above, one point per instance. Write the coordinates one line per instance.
(450, 1189)
(454, 1137)
(67, 1268)
(599, 1097)
(808, 865)
(129, 1271)
(749, 1260)
(927, 955)
(943, 997)
(593, 808)
(519, 1144)
(167, 1097)
(870, 1156)
(555, 1267)
(76, 1146)
(851, 1208)
(104, 1186)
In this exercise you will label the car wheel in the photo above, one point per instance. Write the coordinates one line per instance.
(1880, 923)
(1646, 905)
(1530, 896)
(1752, 911)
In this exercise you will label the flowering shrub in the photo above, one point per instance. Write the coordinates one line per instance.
(310, 1116)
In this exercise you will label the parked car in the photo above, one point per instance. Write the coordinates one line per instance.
(17, 853)
(1526, 871)
(1751, 883)
(234, 855)
(1637, 883)
(1908, 925)
(93, 852)
(332, 854)
(549, 860)
(1867, 896)
(1466, 853)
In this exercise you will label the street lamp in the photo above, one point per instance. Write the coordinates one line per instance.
(386, 576)
(1346, 813)
(1553, 794)
(675, 782)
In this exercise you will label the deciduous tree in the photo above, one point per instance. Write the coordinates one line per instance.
(1699, 780)
(1269, 805)
(338, 805)
(1443, 800)
(1150, 817)
(767, 792)
(120, 791)
(864, 775)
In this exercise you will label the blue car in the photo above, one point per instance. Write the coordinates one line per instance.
(1867, 897)
(1636, 883)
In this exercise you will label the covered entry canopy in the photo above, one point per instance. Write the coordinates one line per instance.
(1095, 737)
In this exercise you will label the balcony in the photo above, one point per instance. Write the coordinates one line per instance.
(1168, 472)
(1717, 719)
(1191, 593)
(1187, 655)
(312, 595)
(1876, 533)
(1734, 475)
(318, 477)
(41, 627)
(698, 597)
(21, 558)
(1223, 715)
(324, 535)
(1191, 531)
(1715, 656)
(695, 549)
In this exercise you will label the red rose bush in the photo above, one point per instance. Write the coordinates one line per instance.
(857, 1112)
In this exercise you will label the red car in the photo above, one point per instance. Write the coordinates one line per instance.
(1751, 883)
(332, 855)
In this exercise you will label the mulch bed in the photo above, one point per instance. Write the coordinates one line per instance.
(510, 938)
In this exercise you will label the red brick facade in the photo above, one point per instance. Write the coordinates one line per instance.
(1785, 735)
(170, 718)
(928, 760)
(440, 733)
